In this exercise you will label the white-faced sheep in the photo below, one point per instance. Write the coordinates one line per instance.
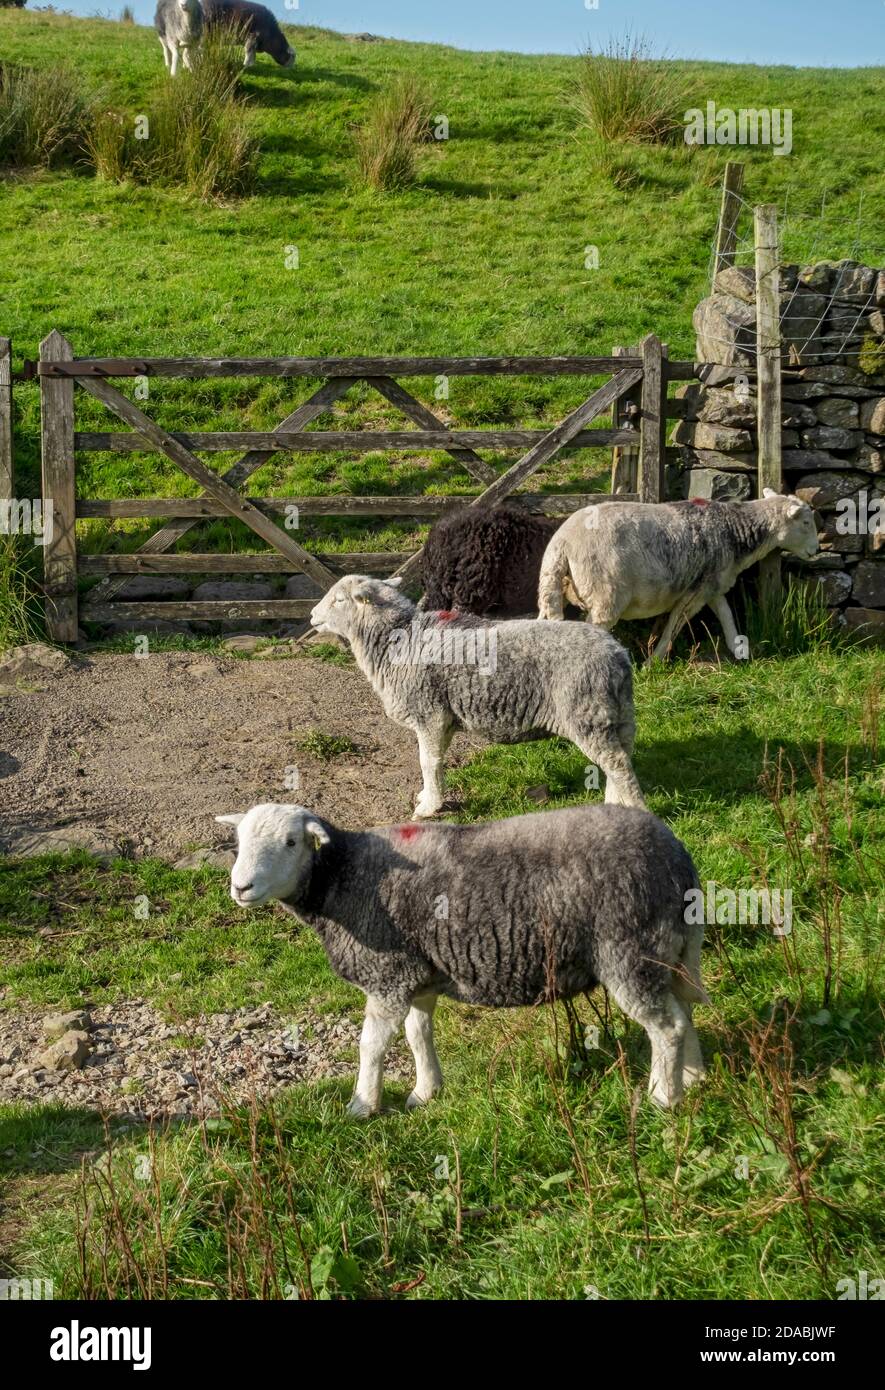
(436, 673)
(179, 26)
(485, 560)
(637, 559)
(505, 914)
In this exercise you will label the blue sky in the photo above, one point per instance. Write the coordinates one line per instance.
(807, 33)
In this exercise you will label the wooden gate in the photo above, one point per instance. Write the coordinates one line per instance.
(647, 372)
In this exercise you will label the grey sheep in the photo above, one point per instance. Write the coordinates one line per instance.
(636, 559)
(179, 26)
(511, 681)
(505, 914)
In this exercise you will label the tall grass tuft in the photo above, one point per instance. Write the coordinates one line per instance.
(623, 92)
(398, 121)
(20, 604)
(796, 621)
(197, 136)
(43, 117)
(127, 15)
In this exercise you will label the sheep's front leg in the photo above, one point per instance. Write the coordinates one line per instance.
(165, 53)
(381, 1022)
(173, 68)
(665, 1022)
(419, 1035)
(186, 58)
(249, 53)
(721, 608)
(432, 745)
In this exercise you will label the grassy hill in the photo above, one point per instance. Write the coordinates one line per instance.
(485, 255)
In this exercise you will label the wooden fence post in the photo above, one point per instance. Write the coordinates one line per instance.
(625, 412)
(652, 425)
(768, 389)
(729, 211)
(7, 469)
(59, 491)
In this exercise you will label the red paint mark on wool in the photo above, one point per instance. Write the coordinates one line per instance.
(700, 502)
(447, 614)
(409, 832)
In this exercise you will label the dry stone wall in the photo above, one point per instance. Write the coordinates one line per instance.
(833, 436)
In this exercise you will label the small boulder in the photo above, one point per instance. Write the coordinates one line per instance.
(232, 590)
(154, 586)
(302, 586)
(67, 1053)
(77, 1021)
(34, 659)
(246, 642)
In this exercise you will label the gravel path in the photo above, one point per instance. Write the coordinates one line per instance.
(140, 1064)
(142, 753)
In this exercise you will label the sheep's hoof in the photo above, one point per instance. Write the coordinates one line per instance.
(359, 1109)
(413, 1100)
(423, 811)
(663, 1099)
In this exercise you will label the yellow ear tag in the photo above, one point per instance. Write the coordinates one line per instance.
(317, 842)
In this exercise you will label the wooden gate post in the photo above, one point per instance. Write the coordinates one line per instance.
(729, 211)
(653, 424)
(768, 389)
(59, 492)
(7, 469)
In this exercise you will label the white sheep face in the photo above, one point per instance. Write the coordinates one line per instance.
(339, 610)
(275, 846)
(797, 532)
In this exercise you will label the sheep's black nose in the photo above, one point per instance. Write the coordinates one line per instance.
(242, 887)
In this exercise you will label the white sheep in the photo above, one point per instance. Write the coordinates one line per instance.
(639, 559)
(509, 681)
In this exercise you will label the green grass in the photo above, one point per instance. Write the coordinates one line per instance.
(565, 1185)
(558, 1183)
(484, 255)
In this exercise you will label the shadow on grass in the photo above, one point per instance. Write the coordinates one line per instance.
(729, 769)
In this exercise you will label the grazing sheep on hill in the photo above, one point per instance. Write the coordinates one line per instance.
(504, 914)
(639, 559)
(255, 24)
(179, 26)
(438, 672)
(485, 561)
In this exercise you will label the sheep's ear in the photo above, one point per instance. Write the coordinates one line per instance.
(769, 492)
(395, 581)
(795, 505)
(233, 819)
(315, 835)
(363, 593)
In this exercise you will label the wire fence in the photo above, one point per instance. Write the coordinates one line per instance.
(835, 333)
